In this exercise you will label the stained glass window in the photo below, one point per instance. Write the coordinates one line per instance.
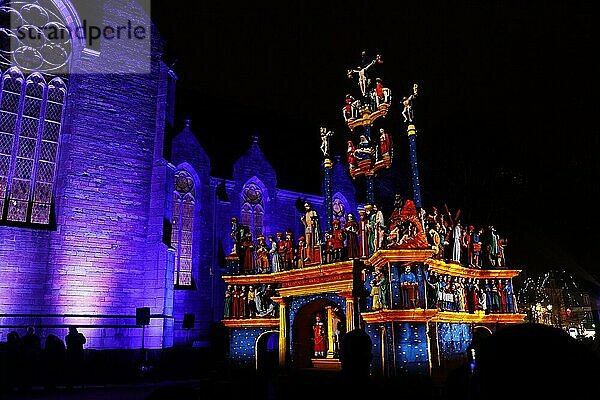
(11, 84)
(339, 208)
(183, 226)
(44, 46)
(30, 122)
(253, 208)
(32, 99)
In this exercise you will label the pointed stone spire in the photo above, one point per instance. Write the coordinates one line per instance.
(187, 148)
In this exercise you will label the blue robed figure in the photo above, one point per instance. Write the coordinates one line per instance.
(408, 285)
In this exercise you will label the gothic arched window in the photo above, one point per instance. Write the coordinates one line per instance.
(253, 208)
(183, 227)
(32, 99)
(339, 208)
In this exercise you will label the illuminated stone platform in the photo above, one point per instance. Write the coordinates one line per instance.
(251, 322)
(383, 257)
(368, 117)
(414, 340)
(327, 363)
(432, 315)
(335, 277)
(461, 271)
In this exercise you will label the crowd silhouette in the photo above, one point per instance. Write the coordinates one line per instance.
(517, 361)
(25, 363)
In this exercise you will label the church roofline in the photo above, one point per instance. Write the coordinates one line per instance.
(280, 193)
(292, 195)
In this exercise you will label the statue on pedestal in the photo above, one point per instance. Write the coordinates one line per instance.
(351, 230)
(325, 135)
(407, 112)
(312, 228)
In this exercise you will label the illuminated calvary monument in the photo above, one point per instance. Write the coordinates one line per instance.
(418, 309)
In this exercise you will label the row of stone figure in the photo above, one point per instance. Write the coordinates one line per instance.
(444, 292)
(353, 240)
(243, 301)
(374, 99)
(279, 254)
(283, 253)
(448, 293)
(361, 237)
(470, 246)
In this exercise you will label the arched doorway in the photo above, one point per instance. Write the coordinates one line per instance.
(267, 352)
(302, 330)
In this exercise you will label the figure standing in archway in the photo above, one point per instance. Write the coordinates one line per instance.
(319, 337)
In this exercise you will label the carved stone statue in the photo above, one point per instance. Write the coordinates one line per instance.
(325, 135)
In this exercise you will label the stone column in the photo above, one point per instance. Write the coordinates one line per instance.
(330, 329)
(283, 330)
(350, 310)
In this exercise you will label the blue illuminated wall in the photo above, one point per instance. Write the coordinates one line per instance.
(367, 287)
(453, 340)
(411, 347)
(242, 345)
(395, 271)
(108, 251)
(188, 155)
(374, 332)
(403, 350)
(103, 257)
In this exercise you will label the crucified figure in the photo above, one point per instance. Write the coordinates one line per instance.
(362, 74)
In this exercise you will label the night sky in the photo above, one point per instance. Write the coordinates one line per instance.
(505, 112)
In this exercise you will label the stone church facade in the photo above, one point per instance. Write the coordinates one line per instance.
(97, 220)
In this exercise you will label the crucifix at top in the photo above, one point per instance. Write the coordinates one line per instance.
(363, 80)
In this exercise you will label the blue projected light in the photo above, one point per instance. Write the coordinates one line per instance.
(412, 141)
(273, 343)
(411, 347)
(454, 340)
(243, 343)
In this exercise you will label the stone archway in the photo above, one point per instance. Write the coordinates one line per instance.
(302, 332)
(267, 352)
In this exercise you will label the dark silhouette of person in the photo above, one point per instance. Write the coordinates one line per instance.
(543, 361)
(74, 356)
(356, 354)
(53, 360)
(32, 348)
(13, 363)
(174, 392)
(31, 340)
(458, 381)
